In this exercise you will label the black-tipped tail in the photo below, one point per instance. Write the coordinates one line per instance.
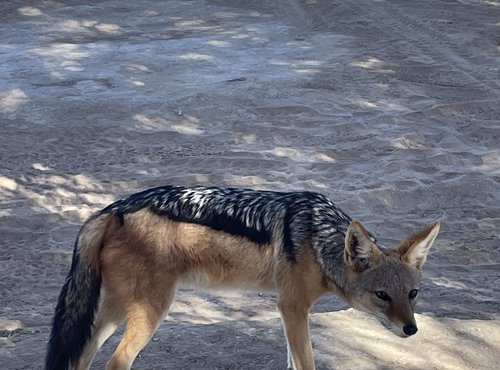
(74, 315)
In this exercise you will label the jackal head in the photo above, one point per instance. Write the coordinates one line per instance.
(386, 283)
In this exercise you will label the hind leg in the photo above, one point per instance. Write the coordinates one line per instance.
(109, 316)
(143, 317)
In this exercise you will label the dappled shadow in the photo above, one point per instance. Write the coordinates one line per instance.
(389, 109)
(229, 344)
(361, 337)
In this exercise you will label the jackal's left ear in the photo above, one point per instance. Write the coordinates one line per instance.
(360, 251)
(414, 249)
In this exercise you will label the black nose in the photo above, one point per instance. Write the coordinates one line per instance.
(410, 329)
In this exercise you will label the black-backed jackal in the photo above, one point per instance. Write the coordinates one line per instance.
(130, 257)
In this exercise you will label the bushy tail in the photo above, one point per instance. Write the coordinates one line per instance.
(74, 314)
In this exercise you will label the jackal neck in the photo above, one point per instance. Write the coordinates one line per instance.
(329, 243)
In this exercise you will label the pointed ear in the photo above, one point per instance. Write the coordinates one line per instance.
(414, 249)
(360, 252)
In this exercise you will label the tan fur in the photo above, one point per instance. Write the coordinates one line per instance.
(143, 261)
(360, 248)
(299, 286)
(187, 253)
(414, 249)
(93, 234)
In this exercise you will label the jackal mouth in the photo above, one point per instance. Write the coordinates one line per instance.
(394, 328)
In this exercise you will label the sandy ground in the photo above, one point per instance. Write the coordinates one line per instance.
(391, 108)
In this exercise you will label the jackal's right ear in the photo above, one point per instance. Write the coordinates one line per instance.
(360, 252)
(414, 249)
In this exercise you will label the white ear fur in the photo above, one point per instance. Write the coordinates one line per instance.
(360, 252)
(414, 249)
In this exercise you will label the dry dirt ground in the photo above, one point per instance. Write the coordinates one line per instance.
(390, 107)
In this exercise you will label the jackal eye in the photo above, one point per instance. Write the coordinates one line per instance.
(382, 295)
(413, 293)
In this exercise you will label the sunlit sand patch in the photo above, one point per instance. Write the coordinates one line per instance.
(250, 139)
(73, 25)
(219, 43)
(405, 143)
(245, 181)
(137, 67)
(8, 184)
(195, 25)
(137, 82)
(97, 198)
(41, 167)
(188, 125)
(108, 28)
(322, 157)
(226, 15)
(366, 104)
(85, 182)
(491, 162)
(307, 71)
(369, 63)
(30, 11)
(63, 56)
(241, 36)
(64, 193)
(196, 56)
(10, 325)
(11, 100)
(454, 343)
(298, 155)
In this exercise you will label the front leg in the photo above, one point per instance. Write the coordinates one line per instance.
(295, 317)
(289, 360)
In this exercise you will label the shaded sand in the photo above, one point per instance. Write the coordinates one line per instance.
(389, 107)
